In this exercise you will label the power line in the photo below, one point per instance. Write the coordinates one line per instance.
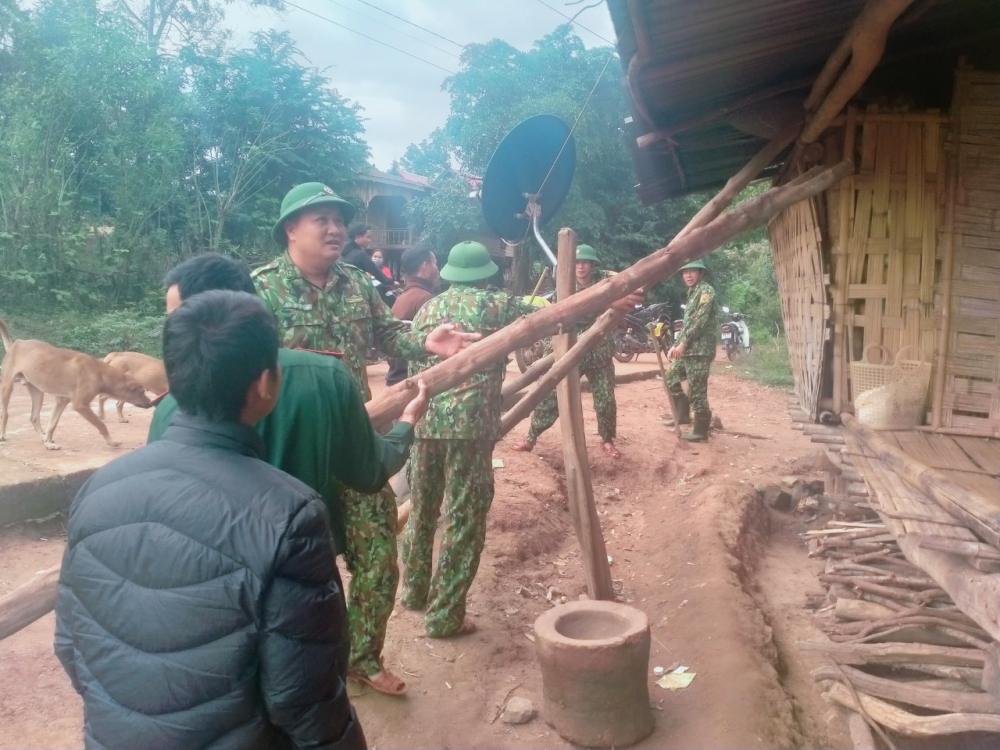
(573, 21)
(393, 28)
(415, 25)
(370, 38)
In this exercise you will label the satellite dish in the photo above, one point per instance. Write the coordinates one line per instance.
(516, 173)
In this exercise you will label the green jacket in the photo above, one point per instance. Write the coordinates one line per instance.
(471, 410)
(698, 334)
(345, 316)
(319, 432)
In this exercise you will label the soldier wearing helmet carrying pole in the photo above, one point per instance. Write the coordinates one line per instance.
(451, 460)
(692, 354)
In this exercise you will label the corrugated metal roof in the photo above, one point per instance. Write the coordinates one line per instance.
(690, 64)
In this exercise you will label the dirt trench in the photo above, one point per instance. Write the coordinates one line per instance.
(691, 545)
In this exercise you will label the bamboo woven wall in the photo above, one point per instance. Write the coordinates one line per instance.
(798, 262)
(883, 237)
(970, 398)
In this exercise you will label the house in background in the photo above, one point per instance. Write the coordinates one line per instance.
(385, 196)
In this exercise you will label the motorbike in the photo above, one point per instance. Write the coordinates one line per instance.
(735, 334)
(632, 336)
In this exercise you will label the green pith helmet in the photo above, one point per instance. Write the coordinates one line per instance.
(308, 194)
(467, 262)
(586, 252)
(699, 264)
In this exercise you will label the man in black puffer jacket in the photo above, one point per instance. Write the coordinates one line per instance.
(199, 604)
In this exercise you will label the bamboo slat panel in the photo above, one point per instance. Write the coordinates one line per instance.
(797, 245)
(888, 229)
(971, 399)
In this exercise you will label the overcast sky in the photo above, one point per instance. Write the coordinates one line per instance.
(401, 96)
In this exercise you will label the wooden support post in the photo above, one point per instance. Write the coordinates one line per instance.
(29, 601)
(651, 270)
(579, 490)
(842, 333)
(947, 271)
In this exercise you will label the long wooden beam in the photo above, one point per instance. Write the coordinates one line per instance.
(29, 601)
(649, 271)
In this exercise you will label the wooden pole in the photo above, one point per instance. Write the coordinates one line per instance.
(527, 377)
(586, 343)
(649, 271)
(947, 272)
(841, 332)
(738, 181)
(29, 601)
(579, 489)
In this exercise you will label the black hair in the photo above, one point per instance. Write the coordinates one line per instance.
(415, 257)
(214, 346)
(357, 229)
(204, 273)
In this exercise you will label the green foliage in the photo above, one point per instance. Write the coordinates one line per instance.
(134, 137)
(498, 87)
(131, 329)
(766, 364)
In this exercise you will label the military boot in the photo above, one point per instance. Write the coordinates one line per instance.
(683, 407)
(700, 432)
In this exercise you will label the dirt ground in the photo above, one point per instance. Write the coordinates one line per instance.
(721, 579)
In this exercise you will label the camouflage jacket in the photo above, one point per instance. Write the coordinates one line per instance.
(347, 315)
(471, 410)
(603, 351)
(698, 334)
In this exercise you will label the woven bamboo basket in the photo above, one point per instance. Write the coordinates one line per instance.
(891, 396)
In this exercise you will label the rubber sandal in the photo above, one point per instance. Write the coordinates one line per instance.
(526, 447)
(611, 450)
(376, 682)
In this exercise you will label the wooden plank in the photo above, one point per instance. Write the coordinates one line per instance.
(579, 486)
(985, 453)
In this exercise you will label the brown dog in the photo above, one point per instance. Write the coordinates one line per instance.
(72, 377)
(147, 370)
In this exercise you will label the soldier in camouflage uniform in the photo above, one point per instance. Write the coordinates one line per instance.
(597, 365)
(693, 352)
(324, 305)
(452, 456)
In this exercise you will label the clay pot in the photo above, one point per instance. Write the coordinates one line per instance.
(594, 657)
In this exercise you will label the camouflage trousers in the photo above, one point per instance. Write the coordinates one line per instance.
(371, 558)
(695, 371)
(460, 473)
(601, 376)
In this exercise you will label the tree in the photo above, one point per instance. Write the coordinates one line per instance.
(499, 86)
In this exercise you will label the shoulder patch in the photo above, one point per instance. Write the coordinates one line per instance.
(264, 269)
(705, 298)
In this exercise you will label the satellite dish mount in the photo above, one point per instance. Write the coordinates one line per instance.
(528, 179)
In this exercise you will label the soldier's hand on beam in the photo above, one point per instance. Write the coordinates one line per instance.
(676, 351)
(629, 303)
(416, 409)
(446, 340)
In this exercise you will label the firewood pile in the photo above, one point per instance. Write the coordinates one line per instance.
(901, 656)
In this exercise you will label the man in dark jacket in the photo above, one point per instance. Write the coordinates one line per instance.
(421, 276)
(199, 604)
(359, 240)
